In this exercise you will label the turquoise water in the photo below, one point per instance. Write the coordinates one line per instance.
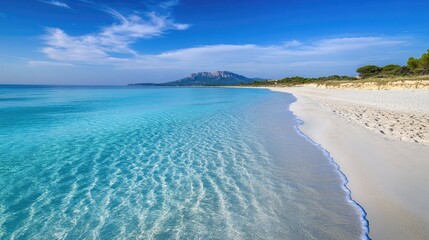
(163, 163)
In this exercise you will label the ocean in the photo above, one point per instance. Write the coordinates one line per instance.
(165, 163)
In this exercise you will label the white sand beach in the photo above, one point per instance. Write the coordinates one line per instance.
(380, 139)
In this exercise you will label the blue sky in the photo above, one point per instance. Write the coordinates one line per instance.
(120, 42)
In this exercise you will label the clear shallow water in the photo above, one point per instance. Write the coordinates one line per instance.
(142, 163)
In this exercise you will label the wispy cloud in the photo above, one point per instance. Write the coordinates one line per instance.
(56, 3)
(48, 64)
(117, 38)
(292, 57)
(324, 56)
(169, 4)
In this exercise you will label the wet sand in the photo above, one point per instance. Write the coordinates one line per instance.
(380, 141)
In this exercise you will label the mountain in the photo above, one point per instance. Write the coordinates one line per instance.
(205, 79)
(213, 78)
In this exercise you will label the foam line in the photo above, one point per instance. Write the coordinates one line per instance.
(345, 181)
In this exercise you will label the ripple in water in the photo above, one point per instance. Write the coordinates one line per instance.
(103, 163)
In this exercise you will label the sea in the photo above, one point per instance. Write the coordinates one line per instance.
(80, 162)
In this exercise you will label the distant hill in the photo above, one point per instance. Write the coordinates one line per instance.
(205, 79)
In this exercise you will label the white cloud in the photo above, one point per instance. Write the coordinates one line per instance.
(318, 57)
(117, 38)
(252, 56)
(56, 3)
(169, 4)
(324, 56)
(48, 64)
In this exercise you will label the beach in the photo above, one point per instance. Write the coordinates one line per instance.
(380, 141)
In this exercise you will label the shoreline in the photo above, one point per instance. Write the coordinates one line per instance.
(385, 176)
(345, 181)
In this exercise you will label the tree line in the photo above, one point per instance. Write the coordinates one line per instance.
(415, 66)
(291, 81)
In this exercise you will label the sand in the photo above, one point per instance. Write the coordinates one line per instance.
(380, 141)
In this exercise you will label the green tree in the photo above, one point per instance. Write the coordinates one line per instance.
(391, 70)
(369, 71)
(424, 62)
(419, 65)
(413, 63)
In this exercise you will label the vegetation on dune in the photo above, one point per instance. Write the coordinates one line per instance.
(416, 69)
(390, 70)
(419, 66)
(369, 71)
(378, 81)
(290, 81)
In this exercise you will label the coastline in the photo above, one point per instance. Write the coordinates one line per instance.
(386, 176)
(345, 181)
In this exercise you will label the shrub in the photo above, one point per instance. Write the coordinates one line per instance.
(391, 70)
(419, 65)
(413, 63)
(369, 71)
